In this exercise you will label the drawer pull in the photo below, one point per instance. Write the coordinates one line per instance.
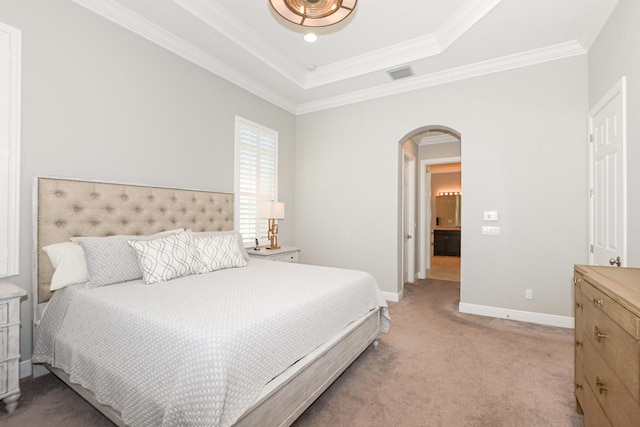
(578, 305)
(578, 386)
(600, 385)
(578, 343)
(597, 301)
(599, 334)
(577, 280)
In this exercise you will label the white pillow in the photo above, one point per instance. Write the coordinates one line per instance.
(167, 257)
(70, 263)
(219, 252)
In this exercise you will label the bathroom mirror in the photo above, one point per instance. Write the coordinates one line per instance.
(448, 210)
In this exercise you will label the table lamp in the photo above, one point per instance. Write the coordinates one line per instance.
(273, 211)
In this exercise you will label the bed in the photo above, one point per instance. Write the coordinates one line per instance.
(254, 344)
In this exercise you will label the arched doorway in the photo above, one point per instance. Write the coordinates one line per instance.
(430, 147)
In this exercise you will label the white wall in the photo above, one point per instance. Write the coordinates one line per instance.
(99, 102)
(440, 151)
(613, 55)
(523, 154)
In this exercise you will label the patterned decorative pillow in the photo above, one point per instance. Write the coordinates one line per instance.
(243, 250)
(219, 252)
(168, 257)
(111, 260)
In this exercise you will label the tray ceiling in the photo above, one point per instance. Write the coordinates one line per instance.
(247, 43)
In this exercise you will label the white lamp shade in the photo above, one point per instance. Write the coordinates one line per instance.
(271, 209)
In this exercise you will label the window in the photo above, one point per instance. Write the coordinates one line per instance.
(256, 175)
(10, 42)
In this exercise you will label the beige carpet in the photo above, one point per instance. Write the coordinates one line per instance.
(444, 268)
(436, 367)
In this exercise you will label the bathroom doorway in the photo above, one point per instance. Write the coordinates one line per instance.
(444, 205)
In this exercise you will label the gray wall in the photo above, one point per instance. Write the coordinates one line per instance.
(523, 154)
(99, 102)
(613, 55)
(440, 151)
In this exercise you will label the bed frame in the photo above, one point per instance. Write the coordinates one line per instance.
(64, 208)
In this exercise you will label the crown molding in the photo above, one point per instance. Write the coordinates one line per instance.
(461, 21)
(126, 18)
(402, 53)
(113, 11)
(598, 17)
(217, 17)
(518, 60)
(381, 59)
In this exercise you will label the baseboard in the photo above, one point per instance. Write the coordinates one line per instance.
(522, 316)
(25, 368)
(390, 296)
(40, 370)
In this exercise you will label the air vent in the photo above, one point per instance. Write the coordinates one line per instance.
(400, 73)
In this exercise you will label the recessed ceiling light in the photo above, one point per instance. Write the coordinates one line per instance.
(310, 37)
(311, 67)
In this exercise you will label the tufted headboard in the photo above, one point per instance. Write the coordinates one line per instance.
(64, 208)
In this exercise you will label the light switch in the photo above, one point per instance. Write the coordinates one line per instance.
(490, 231)
(490, 215)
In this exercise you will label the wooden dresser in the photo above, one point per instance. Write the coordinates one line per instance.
(607, 339)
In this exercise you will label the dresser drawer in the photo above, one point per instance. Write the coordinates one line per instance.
(577, 296)
(616, 346)
(579, 382)
(593, 414)
(579, 341)
(4, 378)
(595, 298)
(614, 398)
(4, 343)
(4, 313)
(289, 257)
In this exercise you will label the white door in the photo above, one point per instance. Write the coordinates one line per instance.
(608, 179)
(408, 257)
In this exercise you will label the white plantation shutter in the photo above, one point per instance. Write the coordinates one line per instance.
(256, 176)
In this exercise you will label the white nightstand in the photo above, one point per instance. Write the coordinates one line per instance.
(10, 344)
(284, 254)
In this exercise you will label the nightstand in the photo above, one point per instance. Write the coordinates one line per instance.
(10, 344)
(284, 254)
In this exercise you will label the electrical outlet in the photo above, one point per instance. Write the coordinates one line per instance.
(490, 231)
(528, 293)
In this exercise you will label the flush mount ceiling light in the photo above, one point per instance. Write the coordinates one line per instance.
(310, 38)
(314, 13)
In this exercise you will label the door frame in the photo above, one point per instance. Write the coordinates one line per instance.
(424, 209)
(409, 200)
(619, 88)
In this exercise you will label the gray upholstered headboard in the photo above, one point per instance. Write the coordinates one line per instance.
(64, 208)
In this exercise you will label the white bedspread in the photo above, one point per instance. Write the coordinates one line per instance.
(198, 350)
